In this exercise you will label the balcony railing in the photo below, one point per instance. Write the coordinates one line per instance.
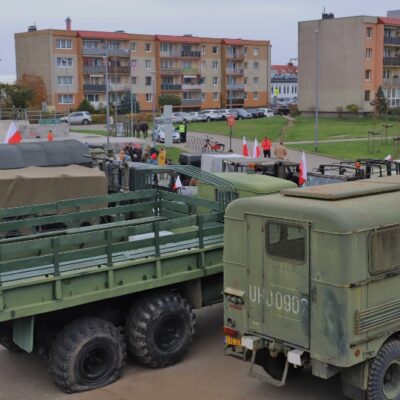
(392, 82)
(284, 79)
(119, 87)
(119, 70)
(391, 61)
(171, 86)
(94, 88)
(170, 54)
(191, 102)
(105, 52)
(235, 101)
(188, 86)
(235, 86)
(235, 71)
(392, 40)
(94, 69)
(239, 55)
(171, 71)
(192, 54)
(190, 71)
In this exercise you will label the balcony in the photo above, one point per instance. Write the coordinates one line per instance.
(171, 86)
(284, 79)
(94, 69)
(392, 40)
(106, 52)
(235, 86)
(236, 101)
(171, 71)
(190, 54)
(191, 87)
(94, 88)
(119, 87)
(191, 102)
(190, 71)
(238, 55)
(391, 61)
(234, 71)
(119, 70)
(170, 54)
(391, 82)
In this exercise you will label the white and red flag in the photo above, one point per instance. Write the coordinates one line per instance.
(13, 136)
(388, 157)
(178, 183)
(303, 170)
(245, 149)
(256, 149)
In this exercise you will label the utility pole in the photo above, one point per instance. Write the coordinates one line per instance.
(316, 89)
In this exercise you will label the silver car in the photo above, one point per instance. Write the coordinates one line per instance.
(78, 117)
(159, 134)
(198, 117)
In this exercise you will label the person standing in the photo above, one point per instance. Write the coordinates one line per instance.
(266, 146)
(50, 136)
(162, 157)
(182, 132)
(280, 151)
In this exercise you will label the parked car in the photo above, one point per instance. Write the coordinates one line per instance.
(224, 113)
(281, 110)
(255, 112)
(78, 117)
(181, 117)
(159, 134)
(198, 116)
(240, 113)
(268, 112)
(212, 115)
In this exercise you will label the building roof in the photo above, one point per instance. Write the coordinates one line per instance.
(233, 42)
(104, 35)
(284, 69)
(389, 21)
(178, 39)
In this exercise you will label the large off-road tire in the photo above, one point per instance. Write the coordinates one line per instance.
(160, 329)
(89, 353)
(384, 373)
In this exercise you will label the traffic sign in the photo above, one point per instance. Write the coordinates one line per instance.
(230, 119)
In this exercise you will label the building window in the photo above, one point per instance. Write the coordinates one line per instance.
(245, 81)
(149, 97)
(215, 50)
(64, 80)
(255, 80)
(147, 64)
(187, 96)
(255, 95)
(245, 95)
(386, 74)
(369, 33)
(245, 51)
(64, 62)
(367, 74)
(164, 48)
(65, 99)
(166, 64)
(256, 51)
(255, 65)
(203, 49)
(132, 46)
(215, 65)
(63, 43)
(147, 47)
(203, 65)
(92, 97)
(368, 54)
(245, 65)
(148, 80)
(215, 80)
(384, 250)
(215, 96)
(115, 79)
(112, 45)
(133, 80)
(367, 95)
(203, 97)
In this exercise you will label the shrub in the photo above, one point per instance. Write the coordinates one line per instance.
(352, 108)
(98, 119)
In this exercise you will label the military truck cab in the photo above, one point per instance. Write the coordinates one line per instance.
(311, 276)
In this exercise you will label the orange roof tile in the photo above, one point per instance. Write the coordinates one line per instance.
(284, 69)
(178, 39)
(388, 21)
(233, 42)
(104, 35)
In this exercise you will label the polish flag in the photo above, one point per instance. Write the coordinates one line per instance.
(178, 183)
(303, 170)
(388, 157)
(256, 149)
(245, 149)
(13, 136)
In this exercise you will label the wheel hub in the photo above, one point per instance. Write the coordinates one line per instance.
(391, 381)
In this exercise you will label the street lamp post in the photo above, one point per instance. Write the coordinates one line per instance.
(65, 62)
(316, 90)
(153, 95)
(107, 105)
(230, 106)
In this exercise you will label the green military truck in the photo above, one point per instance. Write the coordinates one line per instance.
(84, 293)
(311, 277)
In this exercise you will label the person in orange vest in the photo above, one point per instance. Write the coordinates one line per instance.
(266, 146)
(50, 136)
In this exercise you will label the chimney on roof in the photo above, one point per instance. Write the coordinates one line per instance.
(68, 24)
(327, 15)
(32, 28)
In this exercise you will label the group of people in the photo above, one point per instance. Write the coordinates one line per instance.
(150, 155)
(280, 151)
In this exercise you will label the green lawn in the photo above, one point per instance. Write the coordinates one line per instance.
(347, 150)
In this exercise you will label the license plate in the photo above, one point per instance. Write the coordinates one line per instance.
(231, 341)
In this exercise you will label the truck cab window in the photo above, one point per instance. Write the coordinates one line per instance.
(285, 241)
(384, 250)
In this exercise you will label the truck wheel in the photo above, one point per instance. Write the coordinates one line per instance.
(89, 353)
(160, 329)
(384, 373)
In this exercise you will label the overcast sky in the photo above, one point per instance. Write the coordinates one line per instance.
(248, 19)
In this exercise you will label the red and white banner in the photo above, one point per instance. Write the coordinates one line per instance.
(303, 170)
(256, 149)
(245, 149)
(388, 157)
(13, 136)
(178, 183)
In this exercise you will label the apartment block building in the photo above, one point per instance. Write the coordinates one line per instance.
(204, 72)
(356, 55)
(284, 83)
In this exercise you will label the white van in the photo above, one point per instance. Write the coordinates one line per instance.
(268, 112)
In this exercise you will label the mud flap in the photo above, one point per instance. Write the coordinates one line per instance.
(23, 333)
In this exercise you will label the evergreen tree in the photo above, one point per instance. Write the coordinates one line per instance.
(125, 106)
(380, 103)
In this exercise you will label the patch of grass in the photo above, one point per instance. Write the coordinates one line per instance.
(346, 150)
(90, 131)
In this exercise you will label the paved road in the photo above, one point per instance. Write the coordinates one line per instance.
(205, 374)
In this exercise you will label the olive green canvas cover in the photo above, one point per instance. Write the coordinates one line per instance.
(37, 185)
